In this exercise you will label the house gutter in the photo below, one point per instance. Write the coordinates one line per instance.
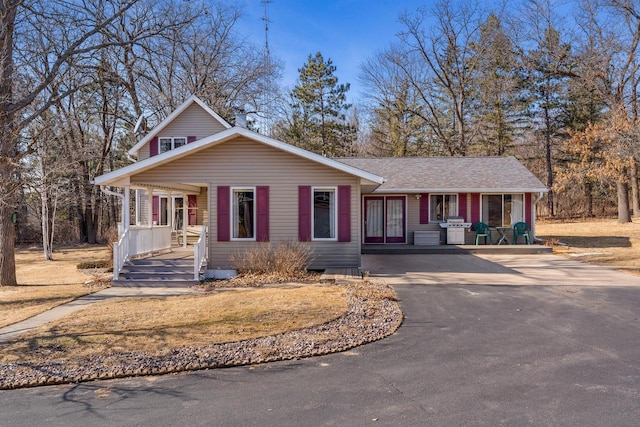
(121, 196)
(111, 193)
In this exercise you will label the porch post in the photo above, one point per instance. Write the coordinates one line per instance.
(150, 207)
(137, 205)
(150, 216)
(126, 212)
(185, 218)
(171, 206)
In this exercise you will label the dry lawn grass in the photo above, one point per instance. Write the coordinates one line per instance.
(46, 284)
(601, 242)
(161, 324)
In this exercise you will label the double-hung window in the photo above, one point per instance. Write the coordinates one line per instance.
(243, 214)
(324, 214)
(502, 210)
(167, 144)
(442, 206)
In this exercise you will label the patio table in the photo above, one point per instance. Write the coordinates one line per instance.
(502, 231)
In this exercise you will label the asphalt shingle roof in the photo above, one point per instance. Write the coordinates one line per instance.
(449, 174)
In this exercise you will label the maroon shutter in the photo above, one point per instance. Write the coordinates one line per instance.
(155, 209)
(304, 213)
(262, 211)
(190, 139)
(424, 208)
(192, 203)
(224, 213)
(462, 205)
(344, 213)
(153, 147)
(528, 217)
(475, 208)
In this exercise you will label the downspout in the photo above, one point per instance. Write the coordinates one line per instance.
(533, 215)
(121, 196)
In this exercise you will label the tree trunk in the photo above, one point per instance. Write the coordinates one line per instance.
(8, 188)
(548, 160)
(588, 192)
(8, 148)
(46, 237)
(7, 247)
(635, 196)
(623, 202)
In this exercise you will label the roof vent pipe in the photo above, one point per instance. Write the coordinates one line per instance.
(241, 120)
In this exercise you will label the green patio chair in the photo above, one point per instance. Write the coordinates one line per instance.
(482, 230)
(521, 229)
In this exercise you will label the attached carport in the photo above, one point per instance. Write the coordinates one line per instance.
(492, 269)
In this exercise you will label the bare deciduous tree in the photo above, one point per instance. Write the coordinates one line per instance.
(61, 38)
(438, 42)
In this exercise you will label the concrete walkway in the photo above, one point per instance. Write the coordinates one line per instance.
(9, 332)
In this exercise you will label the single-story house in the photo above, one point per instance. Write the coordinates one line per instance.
(239, 187)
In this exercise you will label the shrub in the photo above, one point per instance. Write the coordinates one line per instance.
(102, 263)
(285, 259)
(111, 235)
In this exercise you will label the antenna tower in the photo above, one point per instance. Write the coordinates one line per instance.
(268, 93)
(267, 21)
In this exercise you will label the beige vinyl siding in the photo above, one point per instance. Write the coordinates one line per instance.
(194, 121)
(143, 152)
(245, 163)
(413, 221)
(202, 215)
(143, 203)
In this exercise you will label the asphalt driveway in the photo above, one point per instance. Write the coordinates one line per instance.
(467, 354)
(491, 269)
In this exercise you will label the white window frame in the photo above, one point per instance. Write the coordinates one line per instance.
(173, 142)
(444, 194)
(524, 208)
(235, 190)
(335, 214)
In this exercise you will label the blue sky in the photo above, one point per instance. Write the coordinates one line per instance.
(347, 32)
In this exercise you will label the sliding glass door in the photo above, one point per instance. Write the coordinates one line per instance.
(385, 219)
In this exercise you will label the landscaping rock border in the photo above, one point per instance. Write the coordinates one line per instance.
(366, 320)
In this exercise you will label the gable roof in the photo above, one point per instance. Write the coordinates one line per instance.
(450, 174)
(115, 177)
(192, 99)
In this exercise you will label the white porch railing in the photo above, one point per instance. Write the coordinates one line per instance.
(145, 239)
(199, 253)
(120, 253)
(139, 240)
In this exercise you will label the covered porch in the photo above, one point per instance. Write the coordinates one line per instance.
(162, 218)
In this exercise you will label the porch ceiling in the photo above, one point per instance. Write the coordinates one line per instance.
(174, 187)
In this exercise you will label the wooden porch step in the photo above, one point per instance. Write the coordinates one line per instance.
(157, 272)
(154, 262)
(153, 283)
(340, 274)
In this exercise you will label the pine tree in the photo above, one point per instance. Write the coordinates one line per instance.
(498, 109)
(318, 110)
(549, 67)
